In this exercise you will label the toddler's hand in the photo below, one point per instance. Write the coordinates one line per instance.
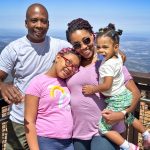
(88, 89)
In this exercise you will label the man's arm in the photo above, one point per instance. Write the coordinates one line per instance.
(8, 91)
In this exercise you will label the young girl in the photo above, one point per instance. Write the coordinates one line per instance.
(48, 118)
(119, 98)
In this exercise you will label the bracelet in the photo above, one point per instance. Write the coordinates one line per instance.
(124, 112)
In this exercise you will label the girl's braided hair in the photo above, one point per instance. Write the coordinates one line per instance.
(111, 32)
(78, 24)
(68, 50)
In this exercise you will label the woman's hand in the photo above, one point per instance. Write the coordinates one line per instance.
(112, 117)
(123, 56)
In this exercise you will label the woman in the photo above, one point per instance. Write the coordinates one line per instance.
(86, 110)
(48, 119)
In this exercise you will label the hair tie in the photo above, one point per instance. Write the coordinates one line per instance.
(66, 50)
(101, 30)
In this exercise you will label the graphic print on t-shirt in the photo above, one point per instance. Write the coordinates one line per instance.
(59, 92)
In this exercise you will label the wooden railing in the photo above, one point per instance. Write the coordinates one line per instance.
(4, 114)
(141, 79)
(142, 111)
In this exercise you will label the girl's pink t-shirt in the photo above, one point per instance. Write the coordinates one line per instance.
(54, 118)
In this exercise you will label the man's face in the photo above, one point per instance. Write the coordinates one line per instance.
(37, 24)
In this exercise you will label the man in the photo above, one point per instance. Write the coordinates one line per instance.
(25, 58)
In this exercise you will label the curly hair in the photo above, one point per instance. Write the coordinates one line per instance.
(111, 32)
(78, 24)
(69, 50)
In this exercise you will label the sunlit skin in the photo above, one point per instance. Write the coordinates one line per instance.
(106, 47)
(77, 36)
(86, 50)
(109, 49)
(59, 68)
(37, 23)
(110, 116)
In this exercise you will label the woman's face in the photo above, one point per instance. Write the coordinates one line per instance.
(83, 43)
(66, 65)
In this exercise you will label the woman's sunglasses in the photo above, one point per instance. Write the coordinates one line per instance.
(86, 41)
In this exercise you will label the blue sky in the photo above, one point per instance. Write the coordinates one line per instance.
(129, 15)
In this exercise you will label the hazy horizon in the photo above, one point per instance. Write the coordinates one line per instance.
(134, 45)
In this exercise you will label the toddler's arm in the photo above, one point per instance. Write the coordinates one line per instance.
(91, 89)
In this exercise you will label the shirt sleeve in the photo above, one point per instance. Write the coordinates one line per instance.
(34, 87)
(8, 58)
(127, 75)
(109, 68)
(65, 44)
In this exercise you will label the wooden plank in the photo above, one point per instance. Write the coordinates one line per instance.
(140, 77)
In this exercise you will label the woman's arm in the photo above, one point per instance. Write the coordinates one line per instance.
(31, 107)
(135, 93)
(130, 84)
